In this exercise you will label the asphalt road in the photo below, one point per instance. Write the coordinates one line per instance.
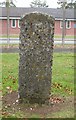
(56, 50)
(56, 41)
(16, 41)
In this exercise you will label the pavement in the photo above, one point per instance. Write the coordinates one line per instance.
(56, 41)
(56, 50)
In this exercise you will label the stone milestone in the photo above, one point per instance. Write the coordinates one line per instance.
(36, 55)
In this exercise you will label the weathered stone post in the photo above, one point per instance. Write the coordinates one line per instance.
(36, 51)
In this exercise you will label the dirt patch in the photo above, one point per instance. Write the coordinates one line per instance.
(12, 106)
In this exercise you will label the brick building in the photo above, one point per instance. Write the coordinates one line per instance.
(16, 13)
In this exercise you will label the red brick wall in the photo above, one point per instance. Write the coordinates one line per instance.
(12, 31)
(58, 30)
(4, 27)
(16, 31)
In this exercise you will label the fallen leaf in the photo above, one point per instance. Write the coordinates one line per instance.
(31, 109)
(8, 88)
(17, 101)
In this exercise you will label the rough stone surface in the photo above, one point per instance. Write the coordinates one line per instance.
(36, 51)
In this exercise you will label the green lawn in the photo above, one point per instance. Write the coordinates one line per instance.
(10, 71)
(56, 46)
(10, 36)
(56, 36)
(67, 36)
(62, 82)
(62, 74)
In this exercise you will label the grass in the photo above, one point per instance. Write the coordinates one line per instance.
(62, 74)
(55, 46)
(10, 71)
(62, 81)
(10, 45)
(62, 114)
(56, 36)
(10, 36)
(67, 36)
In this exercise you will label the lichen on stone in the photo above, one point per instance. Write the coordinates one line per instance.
(36, 54)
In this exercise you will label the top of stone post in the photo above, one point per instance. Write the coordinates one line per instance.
(35, 15)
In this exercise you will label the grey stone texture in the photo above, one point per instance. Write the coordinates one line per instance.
(36, 55)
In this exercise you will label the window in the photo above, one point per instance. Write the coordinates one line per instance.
(18, 23)
(61, 24)
(68, 24)
(13, 23)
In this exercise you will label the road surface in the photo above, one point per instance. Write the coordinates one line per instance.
(56, 50)
(56, 41)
